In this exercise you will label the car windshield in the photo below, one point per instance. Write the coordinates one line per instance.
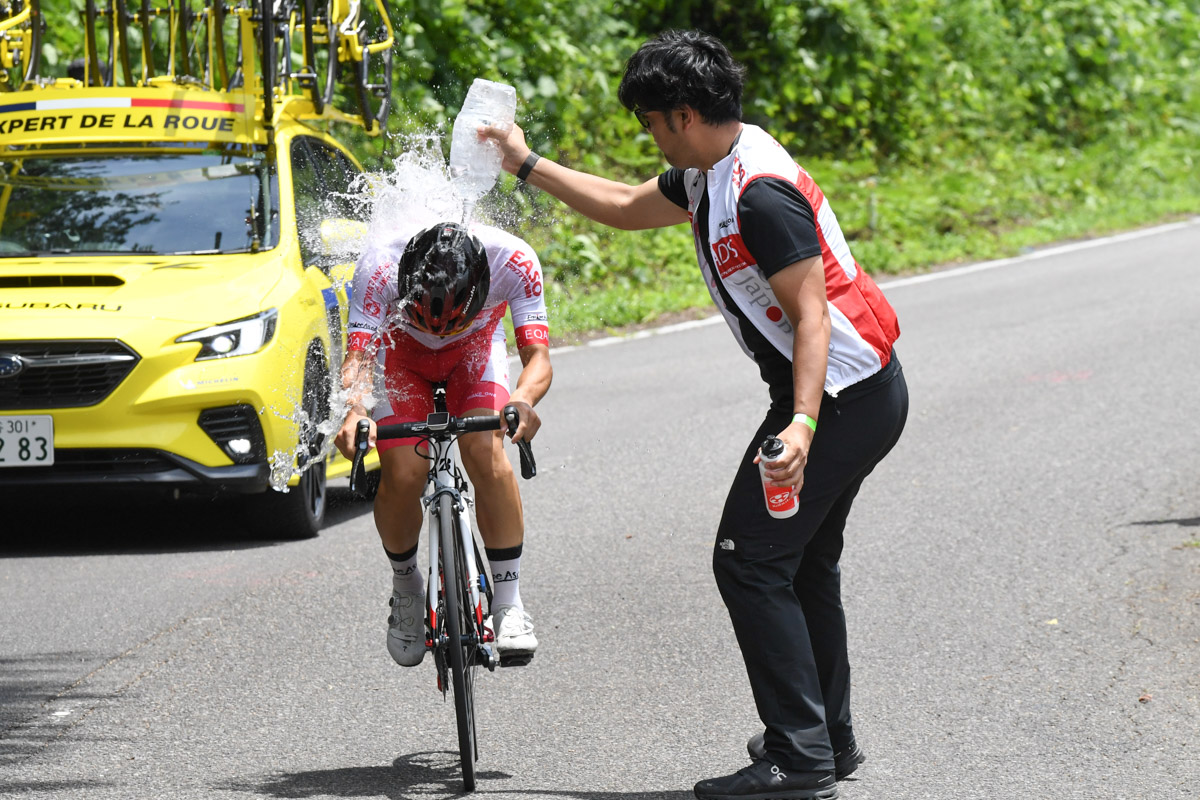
(174, 204)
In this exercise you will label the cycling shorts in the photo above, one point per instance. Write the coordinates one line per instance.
(475, 370)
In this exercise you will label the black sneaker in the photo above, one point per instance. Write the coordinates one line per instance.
(762, 780)
(844, 762)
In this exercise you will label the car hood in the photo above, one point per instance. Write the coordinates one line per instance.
(192, 289)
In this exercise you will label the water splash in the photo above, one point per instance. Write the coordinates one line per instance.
(416, 192)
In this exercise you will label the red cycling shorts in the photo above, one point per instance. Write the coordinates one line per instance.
(474, 368)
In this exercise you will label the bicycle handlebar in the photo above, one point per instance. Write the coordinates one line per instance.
(437, 426)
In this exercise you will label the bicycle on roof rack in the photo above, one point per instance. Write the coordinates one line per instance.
(291, 53)
(459, 596)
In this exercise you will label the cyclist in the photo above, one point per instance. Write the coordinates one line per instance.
(429, 309)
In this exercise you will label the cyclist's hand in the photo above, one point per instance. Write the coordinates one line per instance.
(789, 470)
(512, 145)
(528, 421)
(345, 437)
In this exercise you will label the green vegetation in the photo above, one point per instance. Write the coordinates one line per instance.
(942, 130)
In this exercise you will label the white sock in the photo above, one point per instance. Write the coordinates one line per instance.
(406, 576)
(506, 578)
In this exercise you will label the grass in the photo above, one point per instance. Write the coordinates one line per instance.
(971, 205)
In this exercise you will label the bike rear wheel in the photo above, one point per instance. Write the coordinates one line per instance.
(461, 635)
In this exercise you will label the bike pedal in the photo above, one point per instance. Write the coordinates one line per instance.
(515, 659)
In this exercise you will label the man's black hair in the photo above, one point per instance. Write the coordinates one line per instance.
(678, 68)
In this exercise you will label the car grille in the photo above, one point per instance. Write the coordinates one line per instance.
(62, 374)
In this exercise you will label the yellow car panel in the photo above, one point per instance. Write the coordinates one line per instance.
(126, 241)
(130, 114)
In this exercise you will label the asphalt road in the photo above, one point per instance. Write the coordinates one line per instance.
(1022, 581)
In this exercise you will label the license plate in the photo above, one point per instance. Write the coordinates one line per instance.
(27, 441)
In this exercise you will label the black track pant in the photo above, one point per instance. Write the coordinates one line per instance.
(780, 579)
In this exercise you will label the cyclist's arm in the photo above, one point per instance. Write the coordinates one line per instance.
(532, 385)
(613, 203)
(358, 379)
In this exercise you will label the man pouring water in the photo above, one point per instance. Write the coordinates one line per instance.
(822, 334)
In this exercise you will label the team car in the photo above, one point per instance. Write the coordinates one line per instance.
(173, 247)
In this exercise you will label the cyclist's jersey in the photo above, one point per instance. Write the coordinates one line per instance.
(736, 265)
(516, 284)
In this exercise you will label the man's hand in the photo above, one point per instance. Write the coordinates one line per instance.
(345, 437)
(529, 421)
(512, 145)
(789, 470)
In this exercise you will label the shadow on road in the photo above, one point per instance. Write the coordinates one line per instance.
(49, 787)
(1188, 522)
(420, 775)
(86, 521)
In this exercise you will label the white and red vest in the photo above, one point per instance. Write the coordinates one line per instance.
(864, 326)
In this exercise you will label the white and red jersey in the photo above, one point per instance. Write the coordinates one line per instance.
(516, 285)
(864, 326)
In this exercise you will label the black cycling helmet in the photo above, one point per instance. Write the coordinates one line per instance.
(444, 279)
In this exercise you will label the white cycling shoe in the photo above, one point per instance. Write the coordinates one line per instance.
(515, 642)
(406, 628)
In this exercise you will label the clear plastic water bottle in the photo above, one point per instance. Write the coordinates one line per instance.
(475, 164)
(780, 502)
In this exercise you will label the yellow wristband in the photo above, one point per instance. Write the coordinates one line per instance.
(807, 420)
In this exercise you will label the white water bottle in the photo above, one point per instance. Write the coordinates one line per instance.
(780, 502)
(475, 164)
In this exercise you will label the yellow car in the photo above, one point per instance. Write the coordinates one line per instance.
(171, 315)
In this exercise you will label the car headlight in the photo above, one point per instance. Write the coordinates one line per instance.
(241, 337)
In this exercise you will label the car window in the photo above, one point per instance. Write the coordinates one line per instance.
(339, 174)
(322, 183)
(169, 204)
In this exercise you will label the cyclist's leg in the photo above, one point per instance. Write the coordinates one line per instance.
(479, 386)
(409, 388)
(398, 511)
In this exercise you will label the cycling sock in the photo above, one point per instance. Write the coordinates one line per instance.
(406, 577)
(506, 576)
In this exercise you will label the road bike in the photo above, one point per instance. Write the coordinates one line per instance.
(459, 596)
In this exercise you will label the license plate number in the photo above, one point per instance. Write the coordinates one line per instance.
(27, 441)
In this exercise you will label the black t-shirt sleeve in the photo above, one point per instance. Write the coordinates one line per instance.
(670, 183)
(778, 226)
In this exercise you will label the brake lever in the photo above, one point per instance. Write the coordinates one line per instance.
(528, 466)
(358, 472)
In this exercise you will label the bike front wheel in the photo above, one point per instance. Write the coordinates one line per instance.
(461, 635)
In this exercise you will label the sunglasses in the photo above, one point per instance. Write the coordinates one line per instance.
(641, 117)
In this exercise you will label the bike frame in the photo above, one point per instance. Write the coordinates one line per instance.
(447, 498)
